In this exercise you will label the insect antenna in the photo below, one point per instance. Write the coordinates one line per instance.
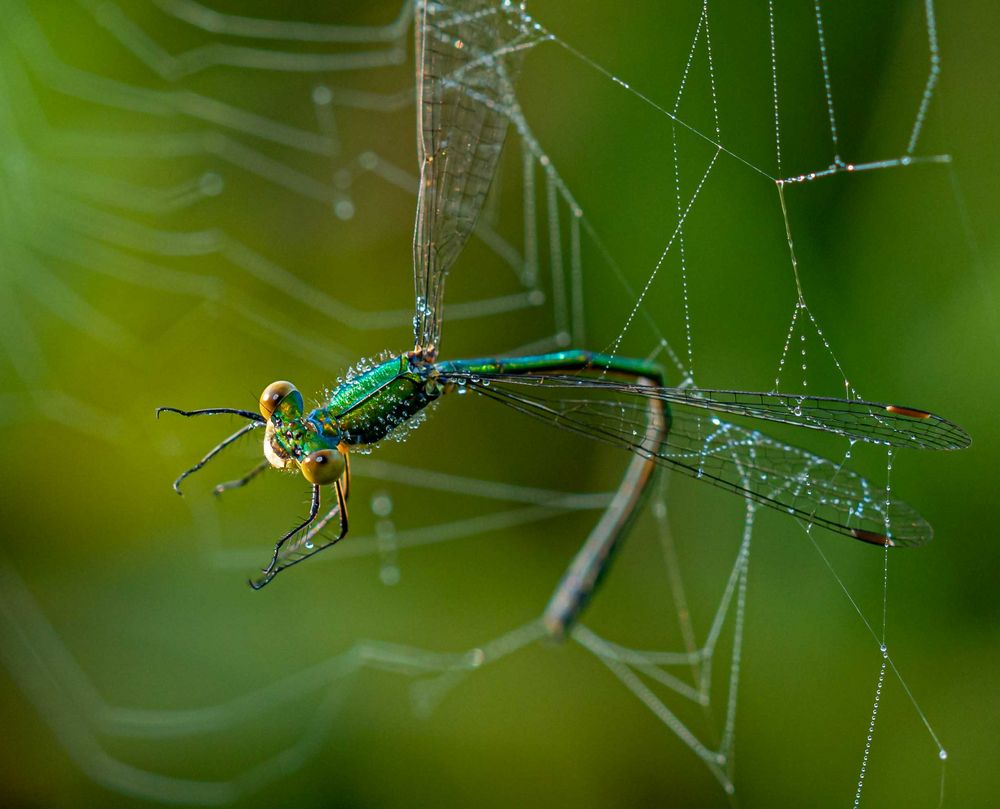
(214, 411)
(263, 466)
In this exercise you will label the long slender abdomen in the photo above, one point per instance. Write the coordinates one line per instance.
(592, 560)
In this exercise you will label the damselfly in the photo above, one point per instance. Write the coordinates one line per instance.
(467, 57)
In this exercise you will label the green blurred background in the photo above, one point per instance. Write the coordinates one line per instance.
(128, 222)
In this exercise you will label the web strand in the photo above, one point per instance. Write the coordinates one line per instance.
(61, 206)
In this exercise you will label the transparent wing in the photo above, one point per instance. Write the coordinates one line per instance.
(740, 460)
(467, 55)
(872, 422)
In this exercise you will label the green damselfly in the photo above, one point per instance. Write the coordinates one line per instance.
(466, 64)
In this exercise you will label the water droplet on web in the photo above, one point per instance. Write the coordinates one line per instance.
(211, 184)
(322, 95)
(344, 209)
(381, 504)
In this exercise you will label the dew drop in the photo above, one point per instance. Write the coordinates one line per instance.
(322, 95)
(381, 504)
(211, 184)
(344, 209)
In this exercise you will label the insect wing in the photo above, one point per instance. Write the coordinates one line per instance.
(874, 423)
(467, 55)
(701, 445)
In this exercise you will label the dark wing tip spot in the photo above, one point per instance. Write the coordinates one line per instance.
(909, 412)
(872, 536)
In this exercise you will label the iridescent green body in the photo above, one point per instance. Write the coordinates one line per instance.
(368, 407)
(371, 405)
(365, 409)
(361, 411)
(578, 391)
(573, 360)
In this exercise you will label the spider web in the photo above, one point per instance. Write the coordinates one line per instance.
(116, 174)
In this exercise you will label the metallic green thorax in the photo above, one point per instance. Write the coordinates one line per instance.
(368, 407)
(362, 410)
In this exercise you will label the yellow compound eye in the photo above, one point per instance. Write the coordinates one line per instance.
(283, 396)
(323, 466)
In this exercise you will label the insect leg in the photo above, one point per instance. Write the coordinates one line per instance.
(591, 561)
(342, 508)
(346, 477)
(270, 569)
(253, 425)
(243, 481)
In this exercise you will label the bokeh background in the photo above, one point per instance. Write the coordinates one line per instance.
(126, 221)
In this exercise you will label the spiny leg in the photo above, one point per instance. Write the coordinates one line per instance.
(243, 481)
(324, 521)
(215, 451)
(313, 511)
(343, 490)
(305, 545)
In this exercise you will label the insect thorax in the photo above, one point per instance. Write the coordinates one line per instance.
(377, 403)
